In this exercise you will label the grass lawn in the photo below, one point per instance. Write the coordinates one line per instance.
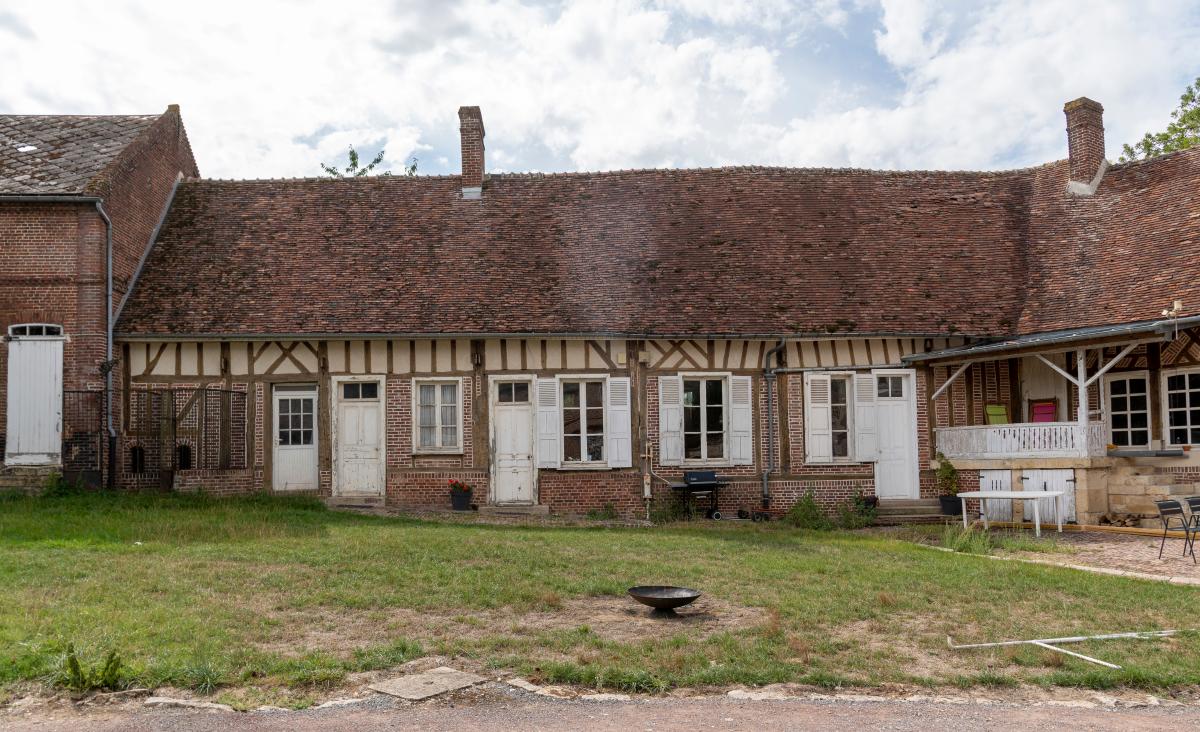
(282, 594)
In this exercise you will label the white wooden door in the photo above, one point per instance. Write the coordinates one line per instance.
(512, 441)
(1050, 480)
(294, 461)
(35, 398)
(359, 444)
(896, 466)
(996, 480)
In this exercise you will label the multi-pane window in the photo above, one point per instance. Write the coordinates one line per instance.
(513, 392)
(703, 419)
(296, 421)
(890, 387)
(1129, 411)
(839, 415)
(583, 421)
(437, 415)
(360, 390)
(1183, 409)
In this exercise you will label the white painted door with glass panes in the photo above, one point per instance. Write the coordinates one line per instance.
(294, 459)
(1181, 405)
(1127, 401)
(359, 430)
(512, 441)
(896, 468)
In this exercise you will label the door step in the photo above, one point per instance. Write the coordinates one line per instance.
(368, 501)
(515, 510)
(911, 518)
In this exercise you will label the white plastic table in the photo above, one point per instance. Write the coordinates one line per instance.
(1016, 496)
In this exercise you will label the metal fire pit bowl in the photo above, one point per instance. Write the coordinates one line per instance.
(663, 597)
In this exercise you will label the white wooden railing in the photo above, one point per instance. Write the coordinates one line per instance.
(1043, 439)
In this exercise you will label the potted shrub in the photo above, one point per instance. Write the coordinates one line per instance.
(946, 479)
(460, 496)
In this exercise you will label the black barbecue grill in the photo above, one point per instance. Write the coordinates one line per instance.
(701, 484)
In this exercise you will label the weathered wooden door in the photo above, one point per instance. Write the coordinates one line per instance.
(294, 461)
(896, 467)
(1050, 480)
(996, 480)
(35, 399)
(512, 442)
(359, 446)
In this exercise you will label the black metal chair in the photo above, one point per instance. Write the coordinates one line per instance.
(1193, 504)
(1169, 511)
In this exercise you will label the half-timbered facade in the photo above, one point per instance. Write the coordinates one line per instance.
(574, 341)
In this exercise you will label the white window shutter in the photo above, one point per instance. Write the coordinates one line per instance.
(818, 433)
(670, 420)
(620, 444)
(549, 430)
(866, 434)
(741, 420)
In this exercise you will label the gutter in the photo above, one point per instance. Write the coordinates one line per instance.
(109, 321)
(344, 335)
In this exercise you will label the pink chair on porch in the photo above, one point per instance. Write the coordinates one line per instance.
(1043, 410)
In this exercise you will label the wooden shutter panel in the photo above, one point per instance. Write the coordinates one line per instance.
(818, 432)
(549, 431)
(670, 420)
(866, 434)
(741, 420)
(620, 443)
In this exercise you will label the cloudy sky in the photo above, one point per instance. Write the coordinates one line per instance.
(271, 89)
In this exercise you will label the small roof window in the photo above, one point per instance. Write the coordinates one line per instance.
(26, 148)
(34, 329)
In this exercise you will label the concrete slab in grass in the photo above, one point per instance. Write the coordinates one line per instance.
(416, 687)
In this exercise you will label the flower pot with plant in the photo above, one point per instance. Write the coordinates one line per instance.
(460, 495)
(946, 479)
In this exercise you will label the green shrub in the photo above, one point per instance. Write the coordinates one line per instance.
(666, 510)
(607, 513)
(72, 673)
(946, 476)
(806, 514)
(967, 541)
(856, 513)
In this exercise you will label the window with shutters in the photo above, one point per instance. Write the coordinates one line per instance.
(840, 414)
(704, 419)
(438, 409)
(583, 421)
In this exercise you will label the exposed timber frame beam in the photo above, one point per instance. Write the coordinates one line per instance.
(953, 377)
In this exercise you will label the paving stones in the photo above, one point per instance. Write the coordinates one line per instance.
(171, 702)
(415, 687)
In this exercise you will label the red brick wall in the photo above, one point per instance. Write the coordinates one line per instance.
(580, 491)
(53, 264)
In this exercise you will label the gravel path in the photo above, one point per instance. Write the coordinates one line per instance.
(651, 715)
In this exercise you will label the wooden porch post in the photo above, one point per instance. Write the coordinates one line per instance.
(1081, 385)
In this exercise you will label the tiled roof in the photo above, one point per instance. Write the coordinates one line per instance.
(727, 251)
(56, 154)
(731, 251)
(1119, 256)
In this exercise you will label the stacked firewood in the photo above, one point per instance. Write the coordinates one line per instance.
(1121, 519)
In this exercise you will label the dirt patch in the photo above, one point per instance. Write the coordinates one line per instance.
(612, 618)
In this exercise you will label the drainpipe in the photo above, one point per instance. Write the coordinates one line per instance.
(769, 376)
(108, 365)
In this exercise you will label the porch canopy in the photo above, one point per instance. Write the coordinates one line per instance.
(1081, 437)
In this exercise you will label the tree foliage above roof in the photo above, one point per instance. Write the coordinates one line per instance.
(1182, 132)
(355, 170)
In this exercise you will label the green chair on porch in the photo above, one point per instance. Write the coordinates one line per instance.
(996, 414)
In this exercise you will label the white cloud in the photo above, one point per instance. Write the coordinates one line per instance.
(271, 88)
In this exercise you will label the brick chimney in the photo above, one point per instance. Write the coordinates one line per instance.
(1085, 143)
(470, 127)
